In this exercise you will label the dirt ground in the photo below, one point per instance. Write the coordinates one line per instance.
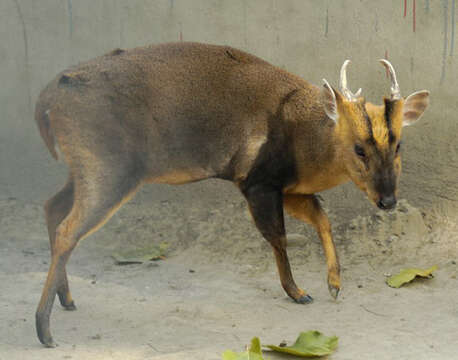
(218, 286)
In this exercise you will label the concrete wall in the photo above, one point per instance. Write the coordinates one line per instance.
(308, 37)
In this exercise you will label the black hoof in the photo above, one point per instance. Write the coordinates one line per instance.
(70, 307)
(46, 340)
(333, 291)
(50, 344)
(306, 299)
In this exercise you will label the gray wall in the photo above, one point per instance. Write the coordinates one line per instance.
(308, 37)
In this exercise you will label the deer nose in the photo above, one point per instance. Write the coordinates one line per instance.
(387, 202)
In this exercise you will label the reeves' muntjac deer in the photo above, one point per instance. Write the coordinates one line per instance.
(183, 112)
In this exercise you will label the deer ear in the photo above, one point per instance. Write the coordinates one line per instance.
(414, 107)
(328, 98)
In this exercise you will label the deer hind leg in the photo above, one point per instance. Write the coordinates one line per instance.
(307, 208)
(95, 200)
(56, 209)
(267, 210)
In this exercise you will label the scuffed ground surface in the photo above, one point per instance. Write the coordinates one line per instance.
(162, 310)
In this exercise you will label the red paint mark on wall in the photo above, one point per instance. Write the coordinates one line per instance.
(181, 31)
(414, 13)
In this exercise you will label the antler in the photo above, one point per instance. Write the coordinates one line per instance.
(343, 83)
(395, 90)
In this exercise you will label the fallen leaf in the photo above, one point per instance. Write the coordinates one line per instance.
(253, 353)
(140, 255)
(309, 344)
(407, 275)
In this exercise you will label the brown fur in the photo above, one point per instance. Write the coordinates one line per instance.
(183, 112)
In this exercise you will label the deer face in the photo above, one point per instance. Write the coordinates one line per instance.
(369, 136)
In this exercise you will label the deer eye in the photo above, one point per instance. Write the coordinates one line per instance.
(360, 151)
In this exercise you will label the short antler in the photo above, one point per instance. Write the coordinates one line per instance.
(343, 83)
(395, 90)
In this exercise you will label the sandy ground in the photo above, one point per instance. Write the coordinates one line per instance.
(219, 287)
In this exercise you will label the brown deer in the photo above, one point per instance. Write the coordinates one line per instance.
(182, 112)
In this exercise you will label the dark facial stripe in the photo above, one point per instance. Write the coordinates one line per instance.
(389, 105)
(370, 139)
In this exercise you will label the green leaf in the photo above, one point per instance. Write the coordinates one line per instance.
(407, 275)
(253, 353)
(309, 344)
(140, 255)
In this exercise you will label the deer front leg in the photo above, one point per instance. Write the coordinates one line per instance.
(307, 208)
(266, 206)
